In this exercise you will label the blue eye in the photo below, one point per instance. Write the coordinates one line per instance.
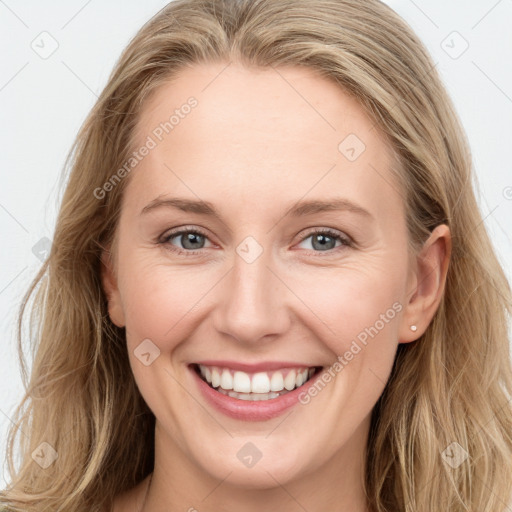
(189, 238)
(325, 240)
(192, 241)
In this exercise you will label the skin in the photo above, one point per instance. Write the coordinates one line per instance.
(258, 142)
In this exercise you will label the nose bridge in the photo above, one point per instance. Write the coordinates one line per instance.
(253, 301)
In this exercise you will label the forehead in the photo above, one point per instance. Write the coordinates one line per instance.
(256, 134)
(258, 101)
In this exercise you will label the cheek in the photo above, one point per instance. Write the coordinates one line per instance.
(358, 321)
(159, 300)
(364, 312)
(352, 304)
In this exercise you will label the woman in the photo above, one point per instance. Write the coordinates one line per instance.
(337, 340)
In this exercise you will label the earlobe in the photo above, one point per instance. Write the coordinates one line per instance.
(428, 284)
(109, 282)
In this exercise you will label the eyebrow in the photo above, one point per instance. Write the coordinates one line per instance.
(300, 209)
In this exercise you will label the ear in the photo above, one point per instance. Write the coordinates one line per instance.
(109, 282)
(427, 283)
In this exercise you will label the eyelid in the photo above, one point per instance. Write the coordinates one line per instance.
(182, 229)
(330, 232)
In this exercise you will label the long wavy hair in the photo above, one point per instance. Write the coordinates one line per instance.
(453, 385)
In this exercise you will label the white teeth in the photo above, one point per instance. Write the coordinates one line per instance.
(242, 382)
(257, 386)
(260, 383)
(289, 381)
(301, 378)
(277, 382)
(215, 378)
(254, 397)
(226, 380)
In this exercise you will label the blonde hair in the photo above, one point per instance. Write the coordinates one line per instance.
(453, 385)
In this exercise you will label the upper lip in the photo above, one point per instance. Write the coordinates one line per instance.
(255, 367)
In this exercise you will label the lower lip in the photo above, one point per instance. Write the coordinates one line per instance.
(260, 410)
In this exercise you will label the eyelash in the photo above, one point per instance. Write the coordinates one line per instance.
(346, 241)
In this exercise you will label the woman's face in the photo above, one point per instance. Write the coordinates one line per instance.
(259, 290)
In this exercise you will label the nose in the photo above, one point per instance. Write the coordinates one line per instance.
(253, 301)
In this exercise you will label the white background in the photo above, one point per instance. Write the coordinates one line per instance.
(44, 101)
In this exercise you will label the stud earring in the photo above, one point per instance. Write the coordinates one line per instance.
(413, 328)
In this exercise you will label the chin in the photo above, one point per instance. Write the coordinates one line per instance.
(246, 466)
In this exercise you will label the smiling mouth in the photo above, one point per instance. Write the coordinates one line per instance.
(255, 386)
